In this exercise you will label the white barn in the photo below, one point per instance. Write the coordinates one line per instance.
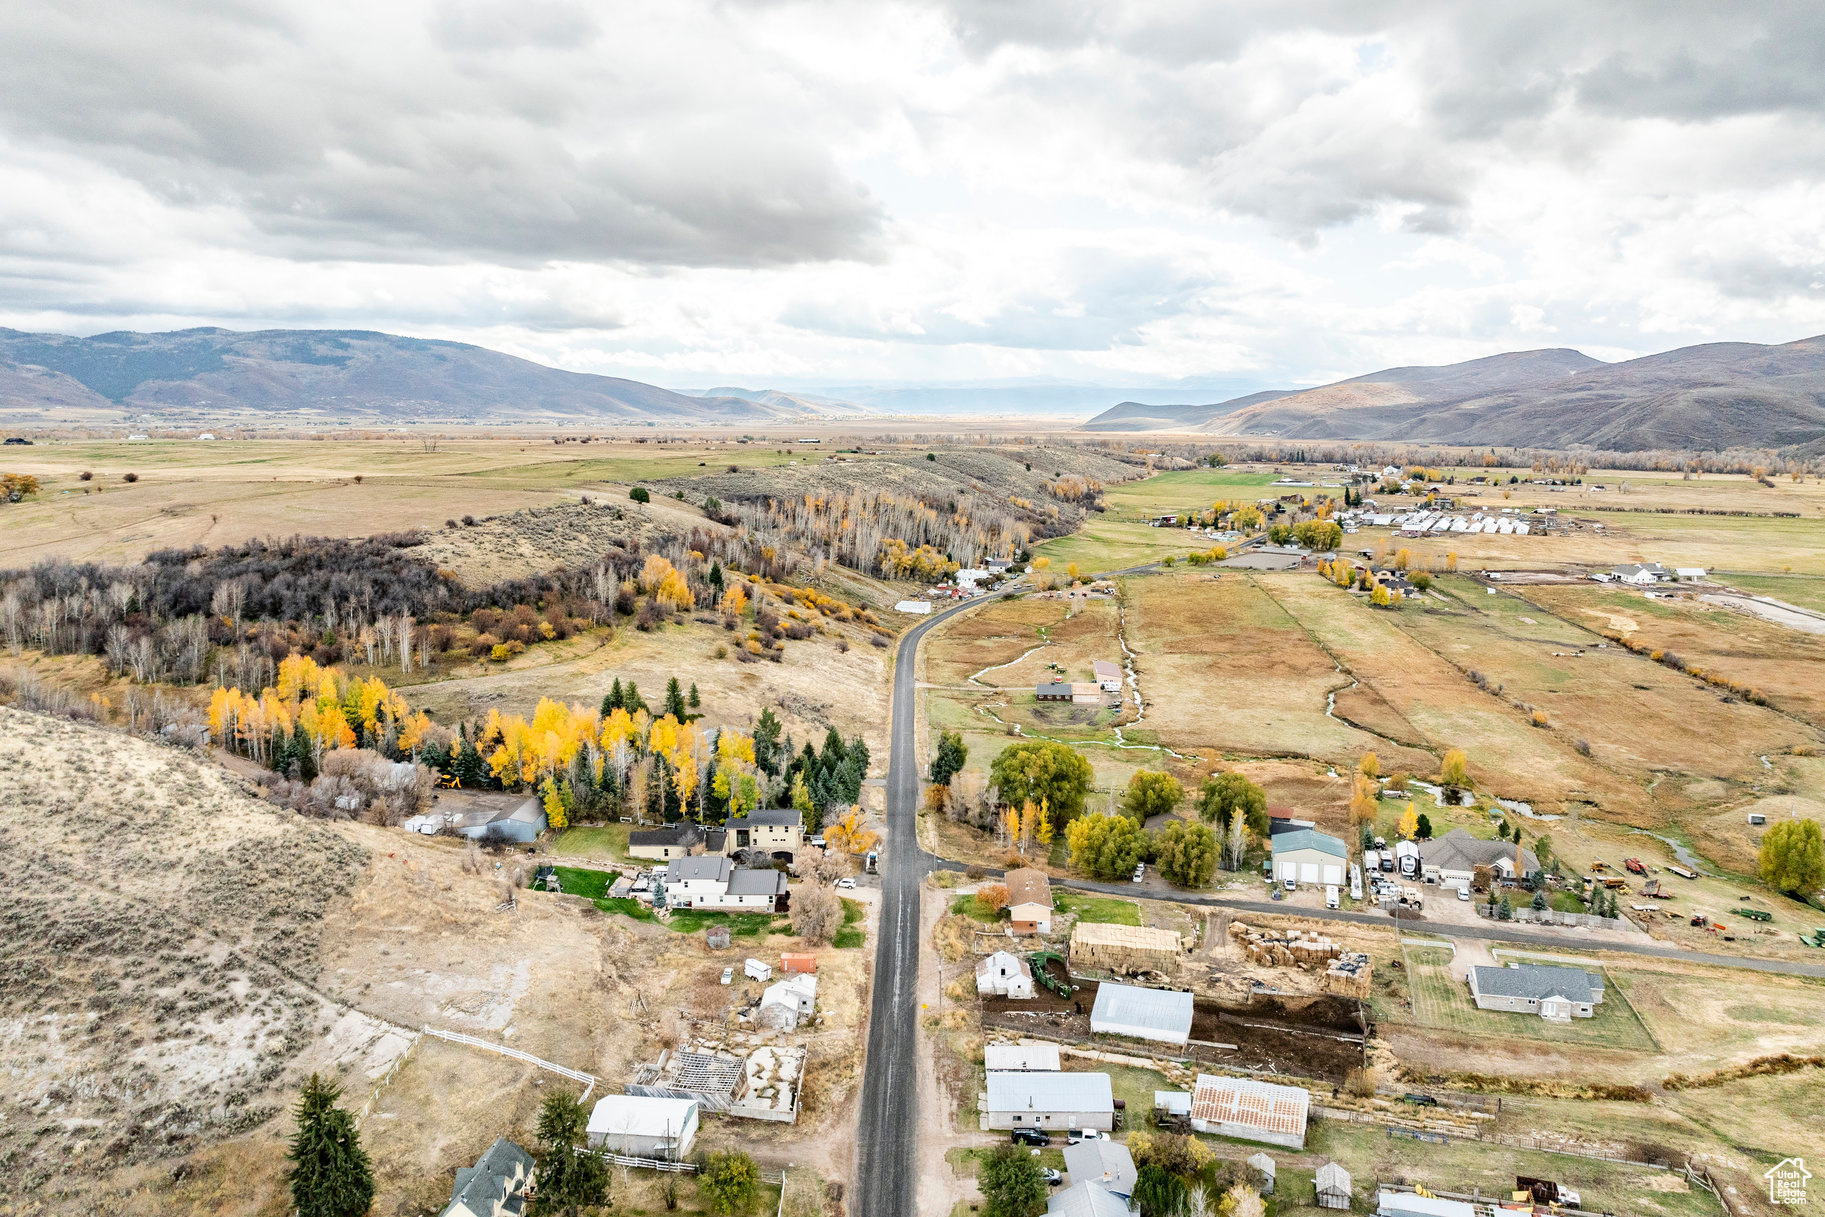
(1143, 1014)
(643, 1127)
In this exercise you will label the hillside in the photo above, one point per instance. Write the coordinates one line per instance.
(330, 374)
(1717, 395)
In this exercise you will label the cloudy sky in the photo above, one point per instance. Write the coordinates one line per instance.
(775, 193)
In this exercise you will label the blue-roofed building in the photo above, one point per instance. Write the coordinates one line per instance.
(1306, 855)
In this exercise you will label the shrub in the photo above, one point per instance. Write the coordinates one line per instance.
(639, 494)
(129, 477)
(86, 475)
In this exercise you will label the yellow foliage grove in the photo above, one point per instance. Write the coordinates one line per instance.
(322, 705)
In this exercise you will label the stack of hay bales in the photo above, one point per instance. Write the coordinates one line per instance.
(1348, 975)
(1125, 950)
(1293, 949)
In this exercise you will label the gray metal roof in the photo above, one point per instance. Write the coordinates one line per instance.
(681, 833)
(1086, 1199)
(1537, 981)
(756, 882)
(1458, 850)
(1106, 1162)
(704, 866)
(1164, 1010)
(1050, 1092)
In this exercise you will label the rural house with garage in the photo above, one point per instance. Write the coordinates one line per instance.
(1249, 1110)
(775, 831)
(1452, 860)
(1308, 856)
(1106, 1162)
(1558, 994)
(711, 881)
(1088, 1199)
(1029, 900)
(1049, 1101)
(1162, 1015)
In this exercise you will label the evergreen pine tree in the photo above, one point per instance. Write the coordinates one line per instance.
(766, 742)
(631, 699)
(716, 575)
(330, 1175)
(691, 699)
(568, 1176)
(674, 700)
(832, 755)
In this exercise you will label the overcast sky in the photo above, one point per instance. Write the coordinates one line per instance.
(773, 193)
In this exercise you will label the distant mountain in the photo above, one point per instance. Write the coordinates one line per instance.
(1718, 395)
(808, 403)
(330, 374)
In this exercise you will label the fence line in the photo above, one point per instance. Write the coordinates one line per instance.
(775, 1178)
(577, 1075)
(392, 1072)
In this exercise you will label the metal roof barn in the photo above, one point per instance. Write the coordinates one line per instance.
(1143, 1014)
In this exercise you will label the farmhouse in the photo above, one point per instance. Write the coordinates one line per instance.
(1107, 675)
(1640, 575)
(1004, 974)
(1558, 994)
(711, 881)
(495, 1184)
(773, 830)
(1306, 855)
(679, 840)
(1249, 1110)
(643, 1127)
(1452, 860)
(1080, 692)
(1105, 1162)
(1124, 949)
(1029, 900)
(1145, 1014)
(1049, 1100)
(1028, 1055)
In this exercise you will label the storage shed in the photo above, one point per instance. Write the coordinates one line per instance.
(1250, 1110)
(643, 1127)
(1124, 949)
(1332, 1185)
(1261, 1166)
(1004, 974)
(1163, 1015)
(1306, 855)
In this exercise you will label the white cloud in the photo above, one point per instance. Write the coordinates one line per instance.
(712, 189)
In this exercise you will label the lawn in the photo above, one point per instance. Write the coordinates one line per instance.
(607, 841)
(1110, 909)
(851, 936)
(971, 906)
(593, 884)
(1440, 1001)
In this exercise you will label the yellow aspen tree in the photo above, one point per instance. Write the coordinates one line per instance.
(1409, 823)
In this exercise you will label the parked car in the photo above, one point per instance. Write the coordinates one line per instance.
(728, 976)
(1463, 893)
(1030, 1136)
(818, 840)
(1077, 1135)
(1292, 885)
(1420, 1100)
(1140, 872)
(846, 883)
(1053, 1178)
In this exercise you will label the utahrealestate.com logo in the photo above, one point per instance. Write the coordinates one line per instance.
(1787, 1181)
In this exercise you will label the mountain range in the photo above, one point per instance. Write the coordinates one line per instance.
(338, 374)
(1718, 395)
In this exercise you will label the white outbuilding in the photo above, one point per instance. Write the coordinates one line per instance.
(786, 1003)
(1143, 1014)
(1306, 855)
(1004, 974)
(643, 1127)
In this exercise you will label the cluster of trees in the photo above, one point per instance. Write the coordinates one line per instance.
(1792, 858)
(312, 710)
(1232, 810)
(1317, 534)
(894, 535)
(1176, 1176)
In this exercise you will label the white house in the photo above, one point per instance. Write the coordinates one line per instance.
(785, 1003)
(1004, 974)
(1088, 1199)
(1452, 860)
(711, 881)
(1641, 575)
(1049, 1100)
(1145, 1014)
(1306, 855)
(1107, 675)
(643, 1127)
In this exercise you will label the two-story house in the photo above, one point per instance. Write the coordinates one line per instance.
(712, 881)
(774, 830)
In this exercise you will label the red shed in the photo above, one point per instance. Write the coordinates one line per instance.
(798, 961)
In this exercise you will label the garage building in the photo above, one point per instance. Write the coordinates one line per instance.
(1308, 856)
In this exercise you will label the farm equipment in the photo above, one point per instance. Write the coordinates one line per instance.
(1615, 882)
(1762, 915)
(1699, 920)
(1635, 866)
(1599, 867)
(1652, 888)
(1682, 872)
(1039, 960)
(1814, 939)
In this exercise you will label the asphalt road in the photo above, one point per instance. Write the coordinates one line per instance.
(887, 1177)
